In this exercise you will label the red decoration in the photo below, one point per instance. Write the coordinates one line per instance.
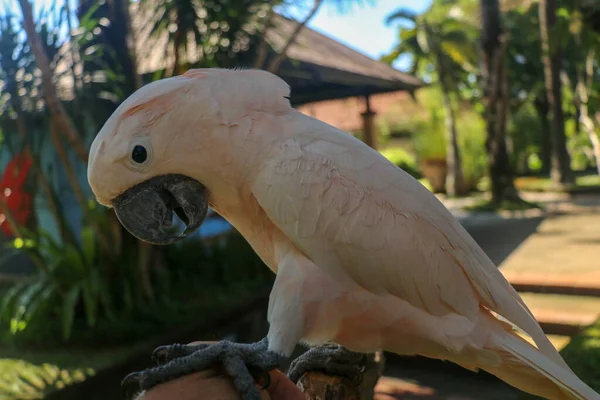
(12, 192)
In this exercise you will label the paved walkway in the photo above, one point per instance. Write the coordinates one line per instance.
(564, 250)
(552, 258)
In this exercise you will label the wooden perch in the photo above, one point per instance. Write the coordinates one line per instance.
(319, 386)
(215, 385)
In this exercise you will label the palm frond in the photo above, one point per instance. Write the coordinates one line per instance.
(403, 13)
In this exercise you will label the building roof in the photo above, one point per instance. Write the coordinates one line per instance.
(318, 67)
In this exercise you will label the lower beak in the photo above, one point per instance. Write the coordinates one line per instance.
(146, 209)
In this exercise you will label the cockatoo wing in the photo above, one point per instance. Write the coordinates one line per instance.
(367, 222)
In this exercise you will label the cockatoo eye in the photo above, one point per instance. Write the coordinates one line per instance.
(139, 154)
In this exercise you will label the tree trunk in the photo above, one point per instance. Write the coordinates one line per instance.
(276, 62)
(55, 106)
(584, 85)
(543, 109)
(176, 69)
(496, 103)
(130, 41)
(73, 52)
(263, 47)
(455, 184)
(561, 164)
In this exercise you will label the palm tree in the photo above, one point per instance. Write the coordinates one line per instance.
(439, 40)
(177, 19)
(495, 99)
(551, 56)
(221, 33)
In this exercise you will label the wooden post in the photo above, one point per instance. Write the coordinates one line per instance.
(369, 130)
(320, 386)
(215, 385)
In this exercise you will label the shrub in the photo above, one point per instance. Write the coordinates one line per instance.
(78, 296)
(471, 141)
(403, 159)
(525, 132)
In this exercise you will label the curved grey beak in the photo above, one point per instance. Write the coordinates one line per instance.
(146, 209)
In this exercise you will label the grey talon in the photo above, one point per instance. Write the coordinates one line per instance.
(332, 359)
(127, 384)
(159, 355)
(237, 359)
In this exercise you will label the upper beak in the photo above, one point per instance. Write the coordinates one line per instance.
(146, 209)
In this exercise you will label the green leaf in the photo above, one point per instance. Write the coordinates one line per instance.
(106, 299)
(406, 34)
(423, 40)
(9, 298)
(28, 296)
(41, 302)
(68, 310)
(88, 244)
(91, 297)
(402, 13)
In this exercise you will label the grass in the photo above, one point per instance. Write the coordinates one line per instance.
(32, 374)
(582, 354)
(506, 205)
(543, 184)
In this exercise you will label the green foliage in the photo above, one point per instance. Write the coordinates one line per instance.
(505, 205)
(427, 130)
(221, 32)
(428, 134)
(403, 159)
(583, 183)
(471, 141)
(582, 354)
(68, 278)
(525, 134)
(580, 148)
(437, 41)
(20, 379)
(81, 296)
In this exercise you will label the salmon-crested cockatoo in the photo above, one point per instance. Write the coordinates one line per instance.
(366, 258)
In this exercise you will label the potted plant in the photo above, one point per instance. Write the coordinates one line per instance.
(430, 147)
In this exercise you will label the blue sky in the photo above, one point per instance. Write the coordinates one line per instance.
(361, 27)
(373, 38)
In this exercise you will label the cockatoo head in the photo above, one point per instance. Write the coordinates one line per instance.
(165, 148)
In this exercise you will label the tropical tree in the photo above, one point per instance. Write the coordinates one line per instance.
(104, 45)
(552, 57)
(217, 33)
(441, 44)
(228, 35)
(495, 100)
(586, 62)
(524, 72)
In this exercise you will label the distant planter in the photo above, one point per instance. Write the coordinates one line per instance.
(434, 170)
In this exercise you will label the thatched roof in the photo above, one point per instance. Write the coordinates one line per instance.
(317, 68)
(320, 68)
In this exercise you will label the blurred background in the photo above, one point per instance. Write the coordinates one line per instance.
(493, 105)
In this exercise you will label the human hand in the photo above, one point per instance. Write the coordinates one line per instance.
(215, 384)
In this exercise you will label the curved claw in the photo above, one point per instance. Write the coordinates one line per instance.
(159, 355)
(261, 376)
(128, 383)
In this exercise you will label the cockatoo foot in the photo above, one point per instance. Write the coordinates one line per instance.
(332, 359)
(241, 361)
